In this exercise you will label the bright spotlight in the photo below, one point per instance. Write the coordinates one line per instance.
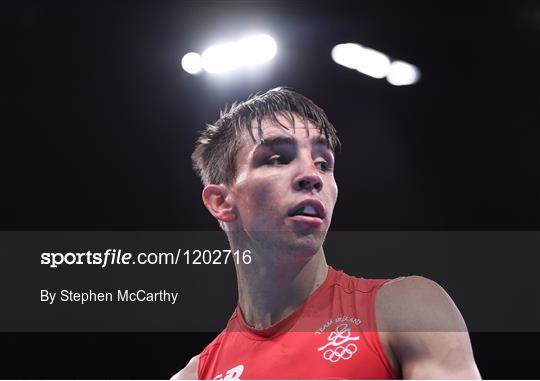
(347, 55)
(402, 73)
(220, 58)
(249, 51)
(365, 60)
(256, 50)
(192, 63)
(373, 63)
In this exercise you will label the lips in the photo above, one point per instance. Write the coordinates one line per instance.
(309, 208)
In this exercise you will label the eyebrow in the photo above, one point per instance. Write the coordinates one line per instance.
(284, 140)
(277, 140)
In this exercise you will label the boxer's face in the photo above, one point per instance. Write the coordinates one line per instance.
(284, 190)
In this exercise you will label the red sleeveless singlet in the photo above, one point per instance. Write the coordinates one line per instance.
(332, 335)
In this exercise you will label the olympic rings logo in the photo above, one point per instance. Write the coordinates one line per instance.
(340, 353)
(337, 339)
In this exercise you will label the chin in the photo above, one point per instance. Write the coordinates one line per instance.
(299, 244)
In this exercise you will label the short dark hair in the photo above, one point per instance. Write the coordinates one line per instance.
(215, 151)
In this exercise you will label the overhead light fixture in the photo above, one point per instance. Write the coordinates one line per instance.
(367, 61)
(375, 64)
(192, 63)
(402, 74)
(247, 52)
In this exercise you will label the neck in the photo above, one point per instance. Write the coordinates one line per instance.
(270, 290)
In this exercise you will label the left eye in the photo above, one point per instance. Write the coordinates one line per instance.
(322, 165)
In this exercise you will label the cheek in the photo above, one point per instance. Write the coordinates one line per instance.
(333, 191)
(259, 198)
(336, 191)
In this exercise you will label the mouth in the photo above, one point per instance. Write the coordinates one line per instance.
(308, 208)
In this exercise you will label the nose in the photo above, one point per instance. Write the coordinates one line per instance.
(308, 180)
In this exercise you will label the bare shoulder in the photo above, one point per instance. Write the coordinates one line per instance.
(190, 370)
(423, 330)
(417, 304)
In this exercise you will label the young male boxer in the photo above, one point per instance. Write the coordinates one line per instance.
(267, 166)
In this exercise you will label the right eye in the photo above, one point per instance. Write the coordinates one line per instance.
(275, 160)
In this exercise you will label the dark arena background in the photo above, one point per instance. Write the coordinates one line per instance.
(99, 119)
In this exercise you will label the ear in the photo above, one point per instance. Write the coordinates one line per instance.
(214, 198)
